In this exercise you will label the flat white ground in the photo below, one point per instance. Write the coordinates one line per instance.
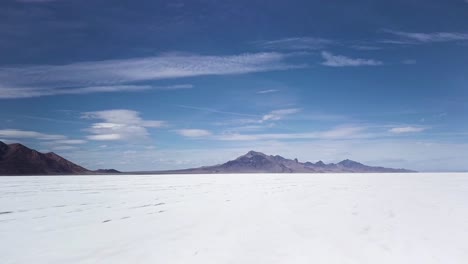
(256, 218)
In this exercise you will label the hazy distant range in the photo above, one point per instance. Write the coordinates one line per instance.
(257, 162)
(17, 159)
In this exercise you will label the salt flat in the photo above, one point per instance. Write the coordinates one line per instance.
(256, 218)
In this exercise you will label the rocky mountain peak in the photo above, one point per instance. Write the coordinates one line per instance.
(349, 163)
(253, 153)
(319, 163)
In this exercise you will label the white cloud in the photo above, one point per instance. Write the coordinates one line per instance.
(267, 91)
(120, 124)
(417, 37)
(105, 137)
(20, 134)
(407, 129)
(6, 93)
(297, 43)
(279, 114)
(194, 133)
(115, 75)
(342, 61)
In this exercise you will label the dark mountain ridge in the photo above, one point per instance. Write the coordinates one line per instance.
(17, 159)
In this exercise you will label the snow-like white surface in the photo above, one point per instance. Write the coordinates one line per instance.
(257, 218)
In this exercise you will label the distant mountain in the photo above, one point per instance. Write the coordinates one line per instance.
(107, 171)
(257, 162)
(16, 159)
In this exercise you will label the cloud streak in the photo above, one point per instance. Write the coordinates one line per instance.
(332, 60)
(115, 75)
(12, 93)
(216, 111)
(279, 114)
(268, 91)
(348, 132)
(296, 43)
(407, 129)
(71, 141)
(421, 38)
(338, 133)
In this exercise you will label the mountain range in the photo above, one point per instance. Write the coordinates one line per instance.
(257, 162)
(17, 159)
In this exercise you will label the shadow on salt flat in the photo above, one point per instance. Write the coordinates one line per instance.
(147, 205)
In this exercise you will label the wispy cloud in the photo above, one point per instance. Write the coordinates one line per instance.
(419, 38)
(20, 134)
(119, 124)
(194, 133)
(396, 42)
(346, 132)
(268, 91)
(365, 47)
(279, 114)
(115, 75)
(342, 61)
(296, 43)
(71, 141)
(407, 129)
(6, 93)
(341, 132)
(246, 117)
(212, 110)
(54, 141)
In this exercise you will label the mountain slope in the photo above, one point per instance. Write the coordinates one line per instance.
(257, 162)
(16, 159)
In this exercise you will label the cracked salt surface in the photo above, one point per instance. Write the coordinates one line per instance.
(255, 218)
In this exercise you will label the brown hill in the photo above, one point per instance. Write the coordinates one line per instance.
(17, 159)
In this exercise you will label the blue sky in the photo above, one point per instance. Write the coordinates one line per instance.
(174, 84)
